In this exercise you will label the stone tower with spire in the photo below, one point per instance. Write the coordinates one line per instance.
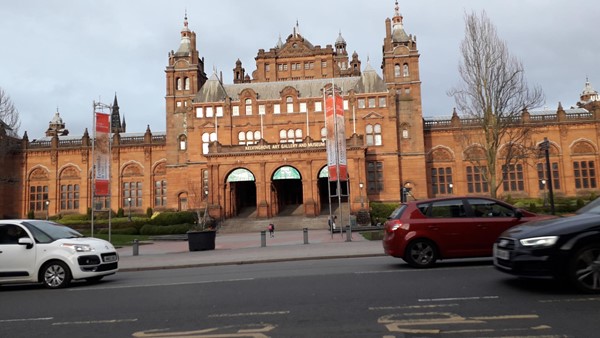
(400, 68)
(56, 127)
(185, 76)
(116, 126)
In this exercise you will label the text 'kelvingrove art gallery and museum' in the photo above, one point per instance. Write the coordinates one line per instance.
(259, 145)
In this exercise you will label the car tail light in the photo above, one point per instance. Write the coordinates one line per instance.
(403, 226)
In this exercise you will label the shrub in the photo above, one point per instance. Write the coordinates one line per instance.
(381, 211)
(122, 231)
(149, 212)
(170, 218)
(74, 217)
(120, 212)
(31, 214)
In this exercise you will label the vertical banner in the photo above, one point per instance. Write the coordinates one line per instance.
(336, 138)
(102, 154)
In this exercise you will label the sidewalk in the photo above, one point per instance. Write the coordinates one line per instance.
(245, 248)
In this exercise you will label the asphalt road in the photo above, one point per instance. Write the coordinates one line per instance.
(361, 297)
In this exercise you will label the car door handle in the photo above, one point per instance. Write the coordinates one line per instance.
(433, 227)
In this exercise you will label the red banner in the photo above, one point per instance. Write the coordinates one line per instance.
(336, 138)
(102, 155)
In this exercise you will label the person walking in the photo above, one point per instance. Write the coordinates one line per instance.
(272, 230)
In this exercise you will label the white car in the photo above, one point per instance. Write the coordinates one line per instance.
(46, 252)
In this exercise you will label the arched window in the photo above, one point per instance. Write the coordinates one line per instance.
(242, 138)
(323, 134)
(404, 133)
(182, 142)
(179, 84)
(298, 135)
(290, 136)
(250, 137)
(289, 104)
(257, 136)
(282, 136)
(397, 70)
(373, 134)
(187, 83)
(248, 106)
(405, 71)
(206, 139)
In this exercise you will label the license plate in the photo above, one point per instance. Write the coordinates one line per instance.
(111, 258)
(501, 254)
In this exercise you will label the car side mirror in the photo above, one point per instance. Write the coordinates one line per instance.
(518, 214)
(26, 241)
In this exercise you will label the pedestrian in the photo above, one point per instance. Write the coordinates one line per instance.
(272, 230)
(331, 222)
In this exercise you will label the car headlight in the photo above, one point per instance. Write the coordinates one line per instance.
(539, 241)
(78, 247)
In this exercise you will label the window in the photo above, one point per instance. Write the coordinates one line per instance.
(289, 104)
(179, 83)
(187, 83)
(182, 142)
(382, 102)
(543, 176)
(446, 209)
(219, 111)
(476, 182)
(235, 110)
(324, 64)
(346, 105)
(132, 190)
(206, 139)
(585, 174)
(323, 134)
(405, 70)
(277, 108)
(280, 66)
(488, 208)
(38, 195)
(405, 133)
(205, 182)
(262, 109)
(290, 136)
(306, 66)
(396, 70)
(257, 136)
(374, 177)
(407, 90)
(248, 103)
(209, 112)
(178, 104)
(318, 106)
(371, 102)
(69, 197)
(199, 112)
(303, 108)
(361, 103)
(373, 135)
(267, 67)
(441, 178)
(160, 193)
(512, 175)
(241, 138)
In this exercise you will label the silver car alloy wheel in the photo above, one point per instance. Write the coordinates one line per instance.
(55, 275)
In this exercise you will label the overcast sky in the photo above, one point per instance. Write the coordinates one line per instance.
(66, 54)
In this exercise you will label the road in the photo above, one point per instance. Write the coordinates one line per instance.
(360, 297)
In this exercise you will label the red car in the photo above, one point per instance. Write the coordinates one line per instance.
(421, 232)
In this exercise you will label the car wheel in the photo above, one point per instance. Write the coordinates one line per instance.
(584, 269)
(421, 254)
(56, 275)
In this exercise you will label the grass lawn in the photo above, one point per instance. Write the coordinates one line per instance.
(118, 240)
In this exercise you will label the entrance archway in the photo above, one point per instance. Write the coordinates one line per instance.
(242, 192)
(325, 191)
(287, 191)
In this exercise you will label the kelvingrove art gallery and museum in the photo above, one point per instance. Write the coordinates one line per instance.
(260, 145)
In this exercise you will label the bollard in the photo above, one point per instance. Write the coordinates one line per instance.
(136, 247)
(263, 238)
(348, 234)
(305, 231)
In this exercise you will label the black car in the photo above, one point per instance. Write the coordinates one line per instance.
(565, 248)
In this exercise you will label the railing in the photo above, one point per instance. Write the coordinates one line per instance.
(533, 119)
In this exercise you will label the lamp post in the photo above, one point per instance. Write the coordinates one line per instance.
(47, 208)
(362, 202)
(544, 192)
(450, 186)
(129, 201)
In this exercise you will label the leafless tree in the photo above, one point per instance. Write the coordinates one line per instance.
(198, 202)
(9, 114)
(492, 97)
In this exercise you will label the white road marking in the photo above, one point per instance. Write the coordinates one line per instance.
(415, 270)
(87, 322)
(249, 314)
(456, 299)
(158, 285)
(568, 300)
(377, 308)
(24, 319)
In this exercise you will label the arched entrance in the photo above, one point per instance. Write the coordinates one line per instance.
(325, 192)
(242, 192)
(287, 194)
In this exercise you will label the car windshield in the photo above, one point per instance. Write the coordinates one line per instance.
(46, 232)
(591, 208)
(398, 212)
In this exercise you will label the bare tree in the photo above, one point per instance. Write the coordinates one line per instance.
(9, 114)
(198, 201)
(492, 97)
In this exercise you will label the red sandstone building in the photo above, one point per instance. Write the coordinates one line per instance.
(257, 146)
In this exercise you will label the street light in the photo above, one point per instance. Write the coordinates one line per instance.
(544, 192)
(47, 208)
(362, 202)
(450, 186)
(129, 201)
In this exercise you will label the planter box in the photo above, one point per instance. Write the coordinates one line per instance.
(201, 240)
